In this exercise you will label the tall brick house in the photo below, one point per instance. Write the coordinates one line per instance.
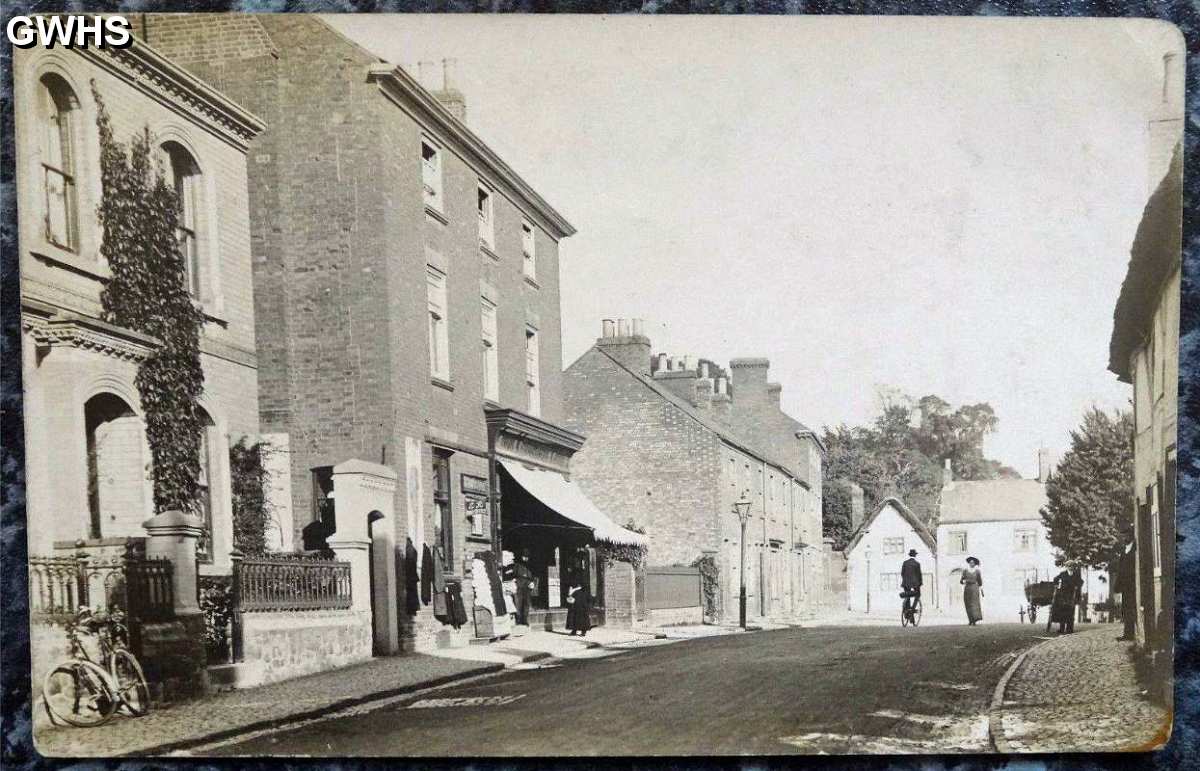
(87, 456)
(406, 285)
(672, 443)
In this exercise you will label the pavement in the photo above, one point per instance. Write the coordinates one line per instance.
(174, 727)
(1078, 693)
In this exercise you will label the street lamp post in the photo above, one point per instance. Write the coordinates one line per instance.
(868, 553)
(741, 507)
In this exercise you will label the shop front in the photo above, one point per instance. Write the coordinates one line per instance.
(545, 520)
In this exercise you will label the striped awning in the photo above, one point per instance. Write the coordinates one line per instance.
(566, 499)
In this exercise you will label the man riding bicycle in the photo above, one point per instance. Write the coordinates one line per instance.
(910, 581)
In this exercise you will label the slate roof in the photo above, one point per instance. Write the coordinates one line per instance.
(992, 500)
(917, 525)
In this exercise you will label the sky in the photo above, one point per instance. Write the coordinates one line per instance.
(937, 206)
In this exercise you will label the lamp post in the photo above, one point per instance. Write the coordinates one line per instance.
(741, 507)
(868, 553)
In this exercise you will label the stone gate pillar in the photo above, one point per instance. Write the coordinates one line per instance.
(361, 489)
(173, 535)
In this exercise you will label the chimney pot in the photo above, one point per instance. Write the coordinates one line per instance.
(704, 369)
(425, 72)
(607, 327)
(662, 362)
(622, 328)
(947, 474)
(637, 326)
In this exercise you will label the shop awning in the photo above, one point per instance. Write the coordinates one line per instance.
(567, 500)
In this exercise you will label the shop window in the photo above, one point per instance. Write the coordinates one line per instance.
(443, 512)
(60, 118)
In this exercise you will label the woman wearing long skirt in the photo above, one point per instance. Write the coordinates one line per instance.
(972, 581)
(579, 606)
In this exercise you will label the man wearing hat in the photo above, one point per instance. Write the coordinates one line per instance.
(911, 580)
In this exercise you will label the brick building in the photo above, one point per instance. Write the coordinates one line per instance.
(672, 443)
(407, 295)
(86, 450)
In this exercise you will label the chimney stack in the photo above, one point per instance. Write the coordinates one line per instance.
(947, 474)
(631, 350)
(608, 328)
(773, 393)
(857, 505)
(749, 379)
(450, 97)
(1045, 465)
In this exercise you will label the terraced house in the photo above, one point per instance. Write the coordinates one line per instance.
(406, 286)
(673, 443)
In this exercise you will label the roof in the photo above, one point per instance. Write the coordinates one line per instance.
(1155, 253)
(917, 525)
(992, 500)
(708, 423)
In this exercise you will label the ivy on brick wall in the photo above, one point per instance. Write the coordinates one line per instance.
(139, 212)
(252, 509)
(710, 573)
(613, 552)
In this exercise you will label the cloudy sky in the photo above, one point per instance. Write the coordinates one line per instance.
(936, 205)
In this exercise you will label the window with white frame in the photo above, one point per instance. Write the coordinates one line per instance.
(487, 227)
(185, 177)
(431, 174)
(893, 545)
(532, 378)
(1025, 539)
(439, 344)
(60, 118)
(491, 355)
(958, 542)
(529, 250)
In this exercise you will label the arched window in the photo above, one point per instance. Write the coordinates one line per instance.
(59, 118)
(185, 176)
(204, 487)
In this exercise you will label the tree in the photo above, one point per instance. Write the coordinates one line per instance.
(902, 450)
(252, 510)
(836, 520)
(1090, 495)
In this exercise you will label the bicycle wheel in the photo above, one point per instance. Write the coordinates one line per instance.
(904, 615)
(132, 690)
(77, 693)
(916, 613)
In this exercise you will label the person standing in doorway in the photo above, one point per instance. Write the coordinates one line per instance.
(972, 581)
(523, 576)
(579, 602)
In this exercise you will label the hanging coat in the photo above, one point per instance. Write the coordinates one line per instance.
(439, 570)
(458, 613)
(426, 575)
(412, 597)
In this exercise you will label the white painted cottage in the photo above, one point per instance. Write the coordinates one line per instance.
(875, 553)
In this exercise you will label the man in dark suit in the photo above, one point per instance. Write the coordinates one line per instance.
(911, 580)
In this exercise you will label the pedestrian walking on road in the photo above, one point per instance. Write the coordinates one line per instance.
(972, 581)
(1066, 595)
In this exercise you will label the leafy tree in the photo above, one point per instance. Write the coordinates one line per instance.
(902, 450)
(836, 520)
(1090, 495)
(139, 212)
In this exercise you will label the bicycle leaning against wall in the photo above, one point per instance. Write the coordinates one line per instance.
(87, 690)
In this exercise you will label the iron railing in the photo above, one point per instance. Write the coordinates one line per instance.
(287, 582)
(141, 588)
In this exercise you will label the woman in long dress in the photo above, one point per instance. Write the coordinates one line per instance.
(972, 581)
(579, 606)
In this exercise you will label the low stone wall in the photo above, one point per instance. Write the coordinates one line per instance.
(287, 645)
(675, 616)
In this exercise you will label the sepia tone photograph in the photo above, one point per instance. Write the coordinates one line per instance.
(463, 386)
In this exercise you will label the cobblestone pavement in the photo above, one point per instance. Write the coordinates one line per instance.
(1078, 693)
(234, 711)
